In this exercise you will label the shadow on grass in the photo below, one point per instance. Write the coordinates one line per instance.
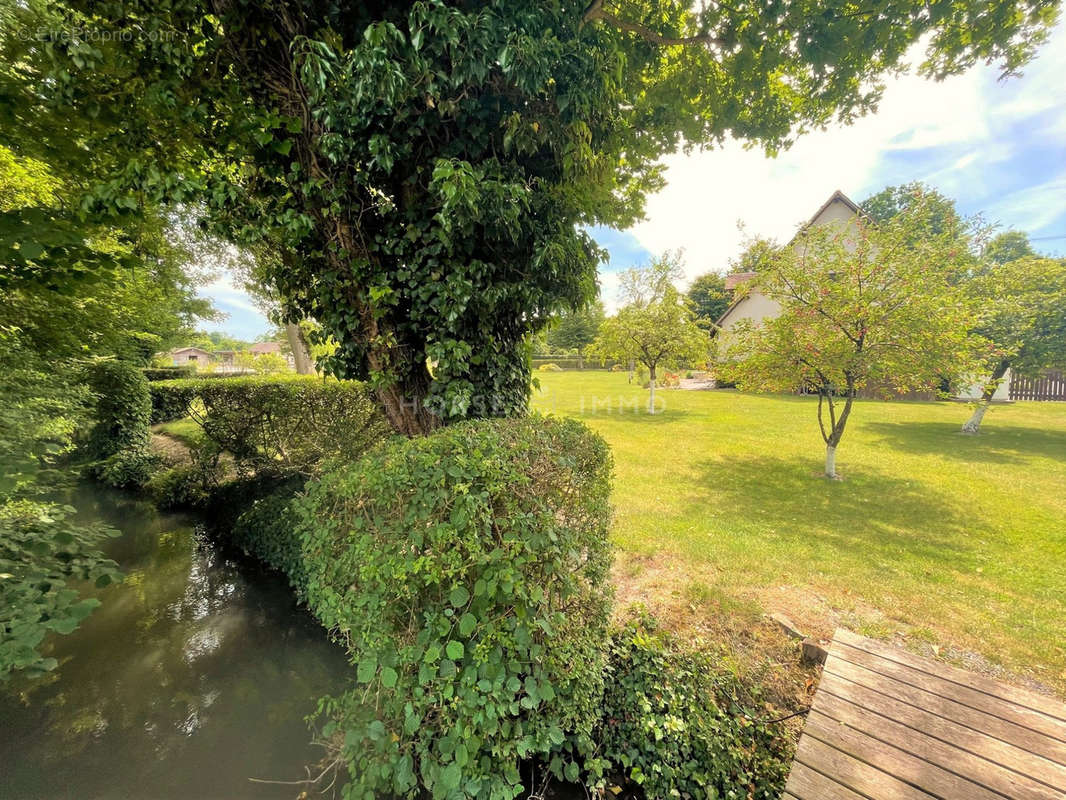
(868, 516)
(638, 417)
(995, 444)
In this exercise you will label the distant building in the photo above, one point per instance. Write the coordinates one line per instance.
(263, 348)
(838, 210)
(190, 355)
(259, 348)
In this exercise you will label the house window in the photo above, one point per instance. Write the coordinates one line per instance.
(192, 358)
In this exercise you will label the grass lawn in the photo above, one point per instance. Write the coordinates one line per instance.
(952, 544)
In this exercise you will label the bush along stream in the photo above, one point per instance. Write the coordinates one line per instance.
(466, 574)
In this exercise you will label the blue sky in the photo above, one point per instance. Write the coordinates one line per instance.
(997, 147)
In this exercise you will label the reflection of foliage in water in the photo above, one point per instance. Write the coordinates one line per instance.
(188, 659)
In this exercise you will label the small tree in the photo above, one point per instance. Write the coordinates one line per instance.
(861, 308)
(1021, 301)
(658, 331)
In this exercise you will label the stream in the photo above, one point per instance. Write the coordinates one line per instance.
(193, 675)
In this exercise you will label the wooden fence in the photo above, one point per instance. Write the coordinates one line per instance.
(1049, 386)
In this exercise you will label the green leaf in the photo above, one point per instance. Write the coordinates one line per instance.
(459, 596)
(467, 624)
(451, 776)
(454, 650)
(388, 677)
(367, 668)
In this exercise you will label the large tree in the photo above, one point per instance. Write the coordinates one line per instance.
(860, 309)
(429, 168)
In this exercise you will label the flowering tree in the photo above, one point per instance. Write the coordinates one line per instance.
(863, 306)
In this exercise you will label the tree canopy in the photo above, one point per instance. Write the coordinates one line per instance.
(575, 330)
(426, 169)
(709, 297)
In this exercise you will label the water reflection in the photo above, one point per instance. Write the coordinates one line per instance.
(195, 674)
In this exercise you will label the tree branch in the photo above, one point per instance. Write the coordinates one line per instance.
(596, 11)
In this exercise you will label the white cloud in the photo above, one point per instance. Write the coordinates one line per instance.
(964, 117)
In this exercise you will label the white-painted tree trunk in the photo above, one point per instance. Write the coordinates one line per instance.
(651, 397)
(830, 461)
(301, 358)
(973, 424)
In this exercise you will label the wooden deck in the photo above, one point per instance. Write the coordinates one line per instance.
(888, 724)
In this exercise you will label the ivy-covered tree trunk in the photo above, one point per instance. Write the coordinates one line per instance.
(973, 424)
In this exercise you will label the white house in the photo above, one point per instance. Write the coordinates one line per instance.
(754, 305)
(839, 210)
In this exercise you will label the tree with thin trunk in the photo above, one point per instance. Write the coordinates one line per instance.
(864, 306)
(657, 329)
(1021, 303)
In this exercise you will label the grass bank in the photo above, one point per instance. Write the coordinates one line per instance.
(950, 544)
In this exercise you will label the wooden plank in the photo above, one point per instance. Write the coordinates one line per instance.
(1003, 691)
(929, 778)
(806, 784)
(1017, 735)
(935, 684)
(858, 776)
(927, 737)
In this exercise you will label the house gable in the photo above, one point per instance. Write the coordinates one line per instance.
(839, 209)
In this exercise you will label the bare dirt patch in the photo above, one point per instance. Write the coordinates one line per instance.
(173, 452)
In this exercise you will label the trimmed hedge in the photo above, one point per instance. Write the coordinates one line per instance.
(467, 573)
(278, 421)
(172, 399)
(168, 373)
(123, 408)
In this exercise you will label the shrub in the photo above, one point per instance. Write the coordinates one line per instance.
(123, 408)
(549, 368)
(677, 726)
(41, 550)
(169, 373)
(127, 469)
(118, 441)
(188, 485)
(618, 368)
(279, 421)
(467, 573)
(267, 531)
